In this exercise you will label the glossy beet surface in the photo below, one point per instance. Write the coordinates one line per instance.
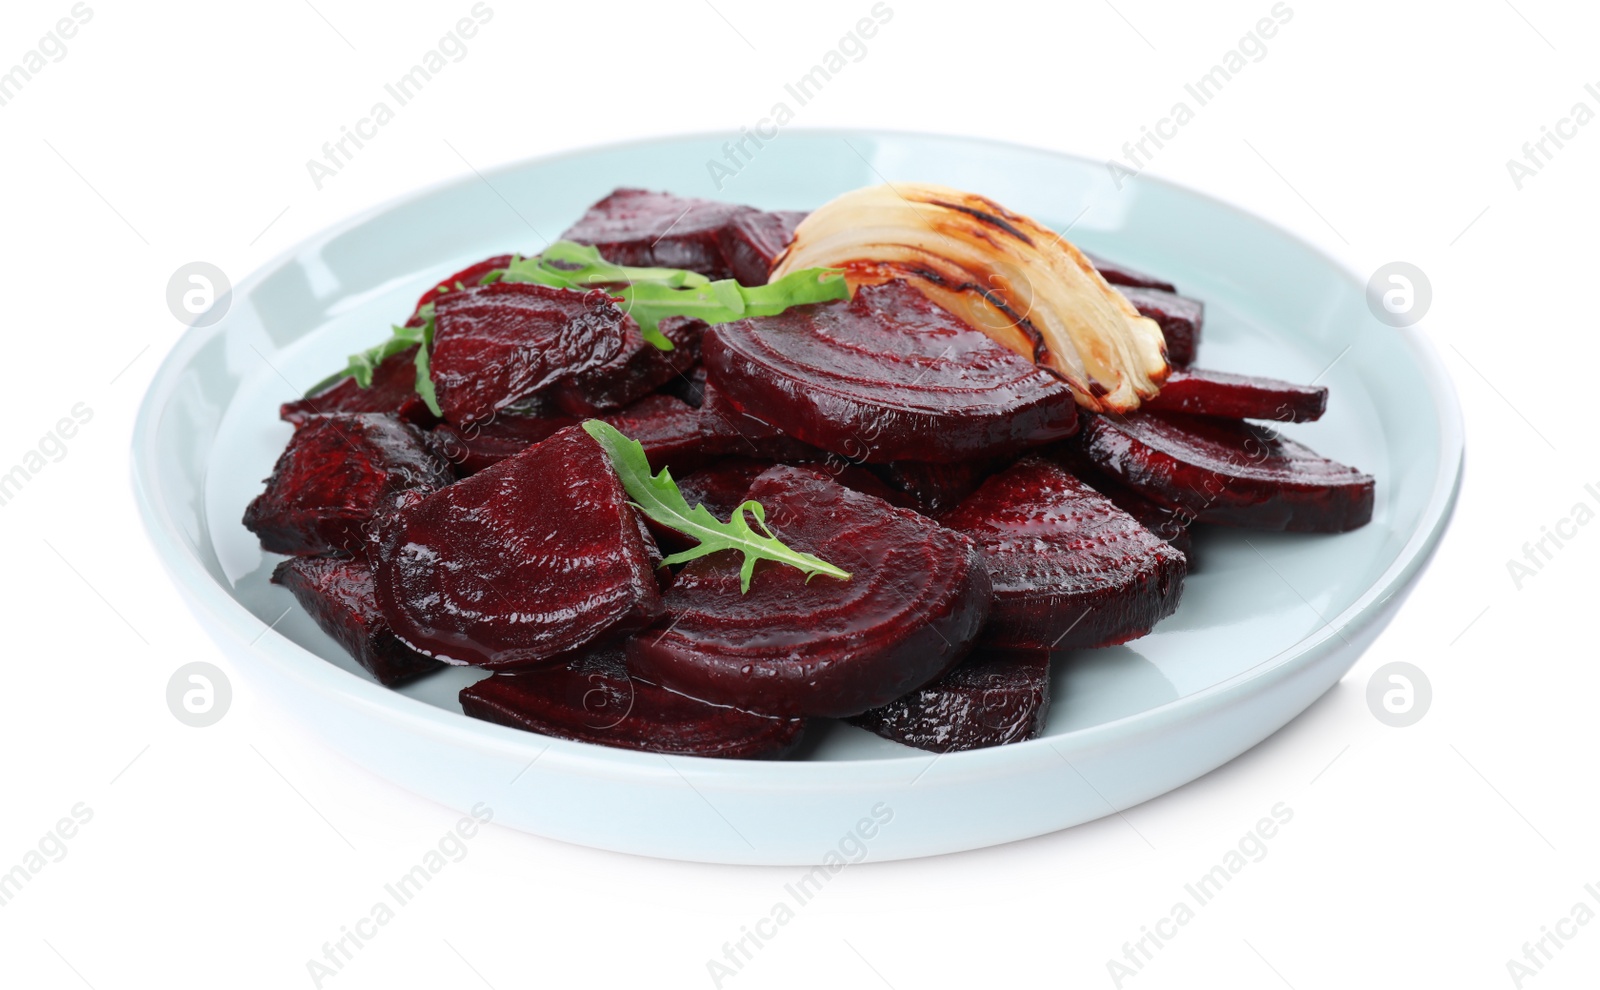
(533, 557)
(638, 369)
(1164, 521)
(887, 376)
(1123, 275)
(1217, 393)
(333, 475)
(751, 242)
(466, 278)
(1179, 317)
(991, 699)
(498, 344)
(338, 594)
(916, 600)
(393, 390)
(644, 228)
(1070, 569)
(592, 699)
(1229, 472)
(680, 436)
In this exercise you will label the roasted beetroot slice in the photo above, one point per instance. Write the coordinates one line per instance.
(498, 344)
(333, 475)
(1168, 523)
(1217, 393)
(466, 278)
(887, 376)
(640, 227)
(723, 486)
(592, 699)
(1119, 275)
(393, 390)
(751, 242)
(1070, 569)
(994, 698)
(1229, 472)
(337, 593)
(933, 488)
(524, 561)
(1179, 317)
(639, 368)
(473, 447)
(915, 602)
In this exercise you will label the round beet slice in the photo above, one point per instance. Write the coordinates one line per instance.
(593, 699)
(1217, 393)
(1070, 569)
(915, 602)
(534, 557)
(888, 375)
(1229, 472)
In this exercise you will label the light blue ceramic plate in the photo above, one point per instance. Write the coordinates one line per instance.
(1268, 622)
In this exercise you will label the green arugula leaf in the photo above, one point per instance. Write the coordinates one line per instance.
(725, 301)
(658, 497)
(650, 294)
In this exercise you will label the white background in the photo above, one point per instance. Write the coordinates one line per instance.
(227, 856)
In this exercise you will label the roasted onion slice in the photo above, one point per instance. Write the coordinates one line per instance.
(1014, 279)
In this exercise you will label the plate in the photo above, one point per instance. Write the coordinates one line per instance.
(1268, 621)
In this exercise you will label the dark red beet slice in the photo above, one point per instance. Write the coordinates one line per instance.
(751, 242)
(639, 368)
(1168, 523)
(933, 488)
(1180, 319)
(916, 601)
(1217, 393)
(473, 447)
(593, 699)
(332, 477)
(640, 227)
(992, 699)
(1070, 569)
(337, 593)
(393, 390)
(1119, 275)
(466, 278)
(1229, 472)
(498, 344)
(531, 558)
(887, 376)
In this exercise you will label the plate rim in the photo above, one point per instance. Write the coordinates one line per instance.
(188, 573)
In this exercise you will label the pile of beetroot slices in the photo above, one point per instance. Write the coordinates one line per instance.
(989, 525)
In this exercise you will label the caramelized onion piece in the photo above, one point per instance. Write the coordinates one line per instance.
(1014, 279)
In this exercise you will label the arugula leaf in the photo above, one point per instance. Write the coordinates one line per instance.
(651, 295)
(657, 496)
(725, 301)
